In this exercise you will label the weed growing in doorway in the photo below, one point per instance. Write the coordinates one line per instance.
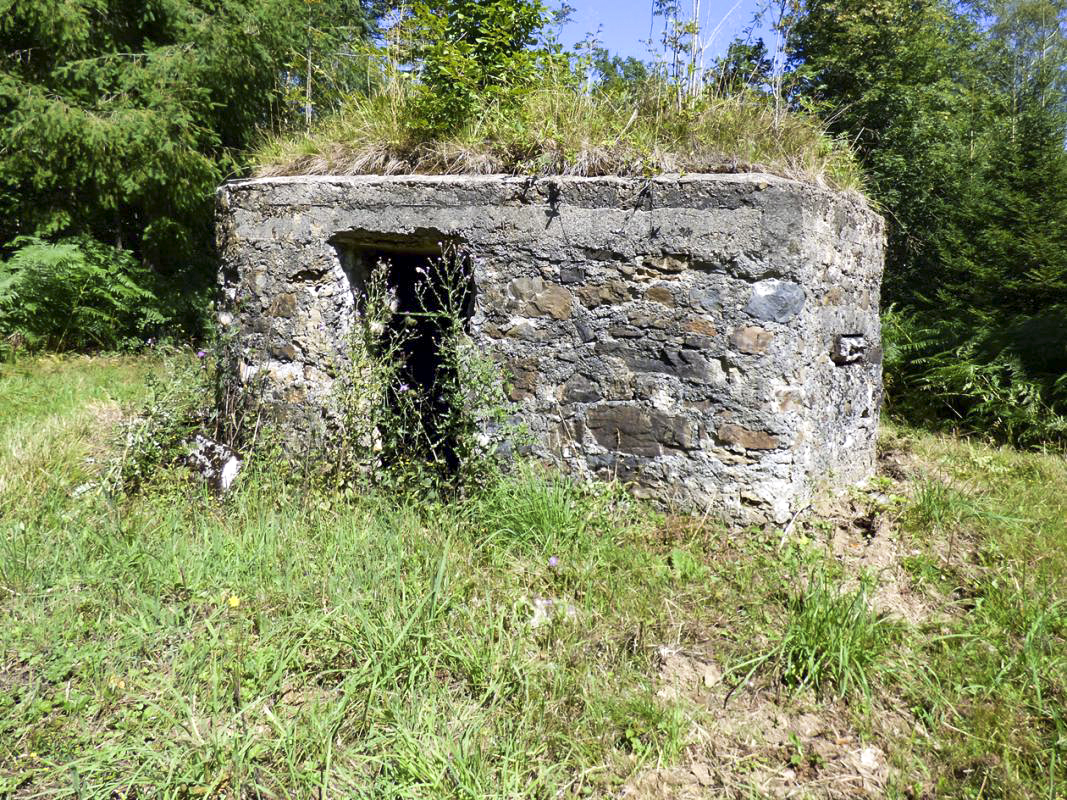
(420, 407)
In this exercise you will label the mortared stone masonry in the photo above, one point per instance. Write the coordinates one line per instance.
(712, 340)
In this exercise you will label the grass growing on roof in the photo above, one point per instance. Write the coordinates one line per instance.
(557, 128)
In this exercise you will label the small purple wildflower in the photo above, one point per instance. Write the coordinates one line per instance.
(403, 388)
(553, 562)
(201, 354)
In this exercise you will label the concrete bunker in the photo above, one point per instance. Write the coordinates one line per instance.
(712, 340)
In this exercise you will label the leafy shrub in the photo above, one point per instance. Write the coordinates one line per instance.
(469, 54)
(76, 293)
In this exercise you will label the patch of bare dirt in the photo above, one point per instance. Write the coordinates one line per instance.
(865, 541)
(863, 534)
(759, 743)
(907, 471)
(14, 677)
(896, 463)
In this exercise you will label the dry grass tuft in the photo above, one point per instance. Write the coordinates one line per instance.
(563, 130)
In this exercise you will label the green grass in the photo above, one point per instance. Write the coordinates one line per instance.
(287, 642)
(832, 640)
(560, 129)
(989, 683)
(284, 642)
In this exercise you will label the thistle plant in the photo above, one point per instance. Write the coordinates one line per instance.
(441, 432)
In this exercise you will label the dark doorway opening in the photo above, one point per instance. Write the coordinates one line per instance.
(429, 288)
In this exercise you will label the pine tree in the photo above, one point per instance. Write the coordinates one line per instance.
(120, 117)
(959, 113)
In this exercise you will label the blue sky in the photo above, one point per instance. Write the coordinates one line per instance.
(624, 24)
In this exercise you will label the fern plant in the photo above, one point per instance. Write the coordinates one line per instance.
(75, 294)
(999, 375)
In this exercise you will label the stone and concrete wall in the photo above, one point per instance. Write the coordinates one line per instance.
(711, 339)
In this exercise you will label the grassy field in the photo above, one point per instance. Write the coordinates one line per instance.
(539, 639)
